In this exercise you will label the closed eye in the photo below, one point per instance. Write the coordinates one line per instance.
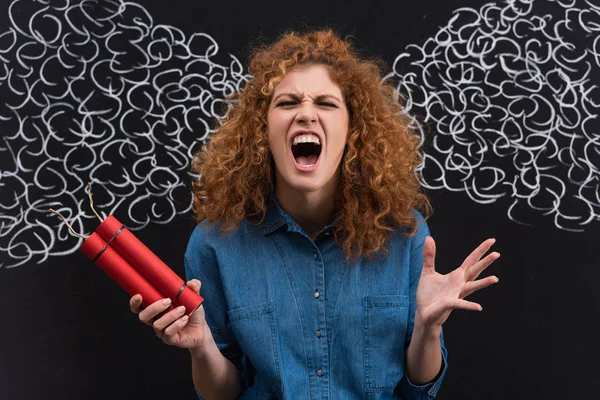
(327, 104)
(290, 103)
(286, 103)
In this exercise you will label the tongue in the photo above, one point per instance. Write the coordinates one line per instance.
(306, 160)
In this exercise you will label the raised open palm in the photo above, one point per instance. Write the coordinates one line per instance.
(438, 295)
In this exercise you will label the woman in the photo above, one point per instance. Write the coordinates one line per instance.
(317, 270)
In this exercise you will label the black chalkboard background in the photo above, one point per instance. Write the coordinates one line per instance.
(66, 331)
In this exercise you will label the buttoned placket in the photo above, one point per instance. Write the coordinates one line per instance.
(318, 361)
(319, 329)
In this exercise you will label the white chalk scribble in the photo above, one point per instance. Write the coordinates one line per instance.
(94, 90)
(511, 95)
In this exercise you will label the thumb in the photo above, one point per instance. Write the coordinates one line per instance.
(429, 255)
(194, 284)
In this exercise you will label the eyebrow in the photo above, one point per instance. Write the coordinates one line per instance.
(298, 97)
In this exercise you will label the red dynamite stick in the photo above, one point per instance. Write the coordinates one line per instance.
(148, 264)
(119, 270)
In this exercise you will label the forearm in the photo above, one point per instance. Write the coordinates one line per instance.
(424, 357)
(214, 376)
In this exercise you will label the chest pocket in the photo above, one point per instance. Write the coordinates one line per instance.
(386, 322)
(256, 332)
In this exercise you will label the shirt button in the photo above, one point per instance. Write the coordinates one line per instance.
(319, 372)
(318, 333)
(317, 295)
(315, 256)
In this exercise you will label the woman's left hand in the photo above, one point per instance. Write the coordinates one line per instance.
(438, 295)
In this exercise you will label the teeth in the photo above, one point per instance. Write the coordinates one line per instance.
(307, 138)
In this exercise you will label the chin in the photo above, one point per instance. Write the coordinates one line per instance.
(304, 187)
(307, 184)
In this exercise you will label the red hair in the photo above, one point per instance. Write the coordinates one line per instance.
(378, 187)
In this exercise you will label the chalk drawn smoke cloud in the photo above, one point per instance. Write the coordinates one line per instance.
(512, 96)
(95, 90)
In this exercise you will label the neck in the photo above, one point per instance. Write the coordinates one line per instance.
(312, 211)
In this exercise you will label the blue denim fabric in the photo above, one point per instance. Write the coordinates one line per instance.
(299, 321)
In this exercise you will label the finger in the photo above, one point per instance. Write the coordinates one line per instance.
(474, 286)
(164, 321)
(172, 330)
(147, 314)
(459, 304)
(478, 253)
(135, 303)
(429, 255)
(195, 285)
(476, 269)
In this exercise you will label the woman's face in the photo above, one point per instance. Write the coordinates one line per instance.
(307, 129)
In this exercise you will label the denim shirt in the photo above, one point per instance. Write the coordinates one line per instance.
(300, 322)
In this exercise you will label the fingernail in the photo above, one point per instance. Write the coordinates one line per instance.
(166, 302)
(180, 309)
(184, 318)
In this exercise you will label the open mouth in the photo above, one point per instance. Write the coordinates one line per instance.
(306, 153)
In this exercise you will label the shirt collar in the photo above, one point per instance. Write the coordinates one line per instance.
(276, 217)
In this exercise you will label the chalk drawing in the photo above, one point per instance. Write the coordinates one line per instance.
(510, 94)
(97, 91)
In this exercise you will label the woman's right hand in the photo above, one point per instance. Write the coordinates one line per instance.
(174, 328)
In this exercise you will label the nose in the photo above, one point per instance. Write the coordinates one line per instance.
(307, 114)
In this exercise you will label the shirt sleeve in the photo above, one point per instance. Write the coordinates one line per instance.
(408, 389)
(201, 263)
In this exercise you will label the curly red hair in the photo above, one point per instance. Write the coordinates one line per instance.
(378, 186)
